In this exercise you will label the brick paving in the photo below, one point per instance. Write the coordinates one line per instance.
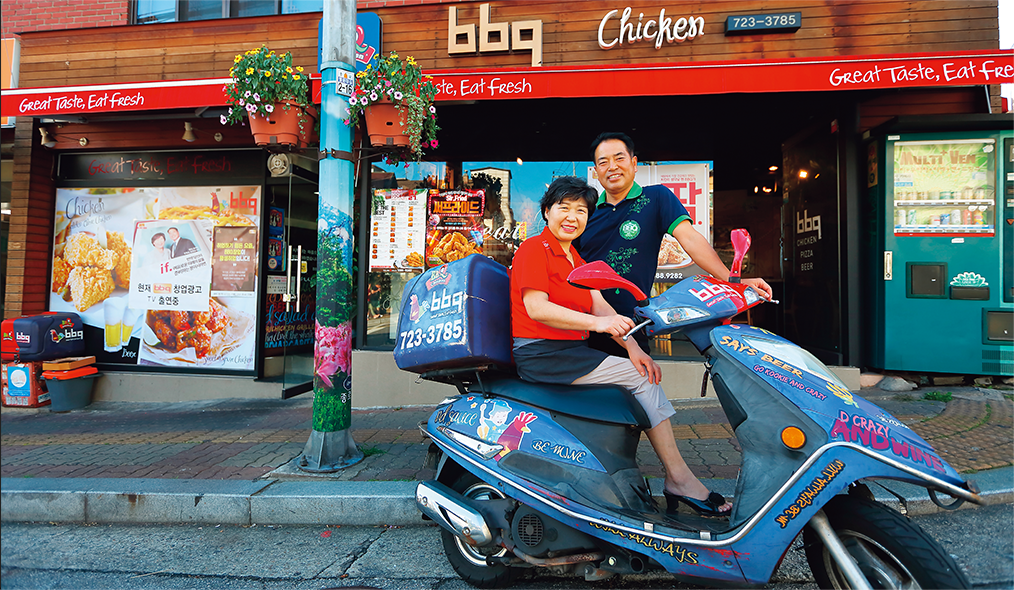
(248, 439)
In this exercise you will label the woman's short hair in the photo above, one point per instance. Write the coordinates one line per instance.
(566, 188)
(157, 236)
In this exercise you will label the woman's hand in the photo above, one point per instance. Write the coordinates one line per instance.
(644, 364)
(614, 325)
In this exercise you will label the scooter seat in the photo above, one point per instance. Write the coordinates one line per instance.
(605, 403)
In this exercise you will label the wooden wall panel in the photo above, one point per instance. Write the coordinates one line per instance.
(920, 102)
(205, 49)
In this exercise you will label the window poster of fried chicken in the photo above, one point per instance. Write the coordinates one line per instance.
(454, 226)
(125, 258)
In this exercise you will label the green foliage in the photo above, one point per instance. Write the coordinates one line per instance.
(335, 285)
(371, 451)
(938, 396)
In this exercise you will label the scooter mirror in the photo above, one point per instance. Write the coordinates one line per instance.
(599, 275)
(740, 245)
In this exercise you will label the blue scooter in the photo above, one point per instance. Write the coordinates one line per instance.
(544, 476)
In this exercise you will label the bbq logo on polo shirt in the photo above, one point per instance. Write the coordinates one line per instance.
(629, 229)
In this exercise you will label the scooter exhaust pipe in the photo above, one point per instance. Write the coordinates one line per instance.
(449, 509)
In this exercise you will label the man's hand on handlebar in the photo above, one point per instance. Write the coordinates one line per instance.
(761, 286)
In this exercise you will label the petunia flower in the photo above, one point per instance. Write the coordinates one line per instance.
(257, 97)
(269, 108)
(223, 119)
(398, 96)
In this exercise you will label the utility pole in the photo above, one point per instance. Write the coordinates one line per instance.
(330, 446)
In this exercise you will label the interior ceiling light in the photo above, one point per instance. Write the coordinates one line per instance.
(520, 162)
(188, 132)
(802, 174)
(772, 168)
(47, 139)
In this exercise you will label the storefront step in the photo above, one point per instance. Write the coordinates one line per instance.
(376, 383)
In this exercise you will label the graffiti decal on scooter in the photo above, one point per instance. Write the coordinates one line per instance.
(792, 382)
(671, 549)
(857, 429)
(447, 416)
(561, 451)
(844, 394)
(737, 345)
(494, 428)
(805, 498)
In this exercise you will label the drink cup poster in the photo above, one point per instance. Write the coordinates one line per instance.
(397, 233)
(105, 249)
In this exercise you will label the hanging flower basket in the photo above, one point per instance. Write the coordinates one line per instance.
(268, 90)
(396, 100)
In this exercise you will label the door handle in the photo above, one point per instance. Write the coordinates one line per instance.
(299, 275)
(287, 296)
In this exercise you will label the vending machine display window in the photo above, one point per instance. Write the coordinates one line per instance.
(944, 187)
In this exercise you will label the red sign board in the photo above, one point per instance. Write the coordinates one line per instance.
(962, 68)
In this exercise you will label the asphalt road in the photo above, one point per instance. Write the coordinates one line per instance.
(49, 556)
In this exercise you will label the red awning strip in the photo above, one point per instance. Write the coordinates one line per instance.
(962, 68)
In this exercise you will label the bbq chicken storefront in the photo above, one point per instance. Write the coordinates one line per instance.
(773, 107)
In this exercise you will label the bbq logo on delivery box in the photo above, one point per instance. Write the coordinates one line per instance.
(68, 332)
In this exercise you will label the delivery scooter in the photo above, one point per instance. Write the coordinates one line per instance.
(544, 476)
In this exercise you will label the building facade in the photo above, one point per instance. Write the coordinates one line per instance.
(747, 99)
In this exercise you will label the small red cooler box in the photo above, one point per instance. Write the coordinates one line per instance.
(22, 385)
(42, 337)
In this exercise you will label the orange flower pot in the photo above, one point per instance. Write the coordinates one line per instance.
(282, 126)
(383, 123)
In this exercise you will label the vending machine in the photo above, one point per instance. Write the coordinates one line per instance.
(940, 284)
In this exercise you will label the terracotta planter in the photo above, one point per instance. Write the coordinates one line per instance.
(383, 123)
(283, 125)
(307, 135)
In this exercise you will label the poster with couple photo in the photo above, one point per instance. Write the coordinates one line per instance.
(146, 298)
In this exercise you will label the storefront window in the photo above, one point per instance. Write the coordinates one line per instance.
(167, 11)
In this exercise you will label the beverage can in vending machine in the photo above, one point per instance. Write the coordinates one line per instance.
(966, 217)
(899, 218)
(945, 219)
(911, 217)
(977, 217)
(934, 220)
(956, 217)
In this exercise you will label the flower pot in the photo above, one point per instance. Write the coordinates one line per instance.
(307, 134)
(282, 126)
(383, 123)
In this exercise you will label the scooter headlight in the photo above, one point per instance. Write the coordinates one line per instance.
(675, 315)
(750, 296)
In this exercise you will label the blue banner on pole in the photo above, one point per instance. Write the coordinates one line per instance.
(368, 26)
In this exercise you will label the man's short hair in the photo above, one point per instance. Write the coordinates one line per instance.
(566, 188)
(608, 135)
(157, 236)
(174, 229)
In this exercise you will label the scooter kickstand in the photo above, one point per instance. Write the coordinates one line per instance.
(849, 567)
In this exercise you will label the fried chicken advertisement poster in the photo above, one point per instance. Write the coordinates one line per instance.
(125, 258)
(454, 227)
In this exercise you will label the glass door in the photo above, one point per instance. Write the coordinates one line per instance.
(291, 276)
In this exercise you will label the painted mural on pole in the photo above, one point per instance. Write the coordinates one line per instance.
(332, 380)
(137, 264)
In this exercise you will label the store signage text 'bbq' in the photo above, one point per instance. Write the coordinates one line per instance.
(525, 35)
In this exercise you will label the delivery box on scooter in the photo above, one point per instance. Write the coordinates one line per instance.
(456, 316)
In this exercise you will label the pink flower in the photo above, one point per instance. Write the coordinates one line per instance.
(269, 108)
(434, 143)
(332, 351)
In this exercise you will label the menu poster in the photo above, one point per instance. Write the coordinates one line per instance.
(454, 226)
(397, 230)
(276, 221)
(234, 262)
(276, 254)
(145, 298)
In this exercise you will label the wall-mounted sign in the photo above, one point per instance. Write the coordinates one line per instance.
(665, 29)
(525, 35)
(177, 166)
(755, 24)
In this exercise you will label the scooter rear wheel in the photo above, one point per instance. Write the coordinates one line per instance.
(470, 562)
(891, 550)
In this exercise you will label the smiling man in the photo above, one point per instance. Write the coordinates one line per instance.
(627, 228)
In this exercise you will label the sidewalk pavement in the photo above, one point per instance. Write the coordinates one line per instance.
(231, 461)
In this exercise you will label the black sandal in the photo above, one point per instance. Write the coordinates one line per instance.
(709, 507)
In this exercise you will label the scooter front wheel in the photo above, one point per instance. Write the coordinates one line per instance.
(890, 550)
(470, 562)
